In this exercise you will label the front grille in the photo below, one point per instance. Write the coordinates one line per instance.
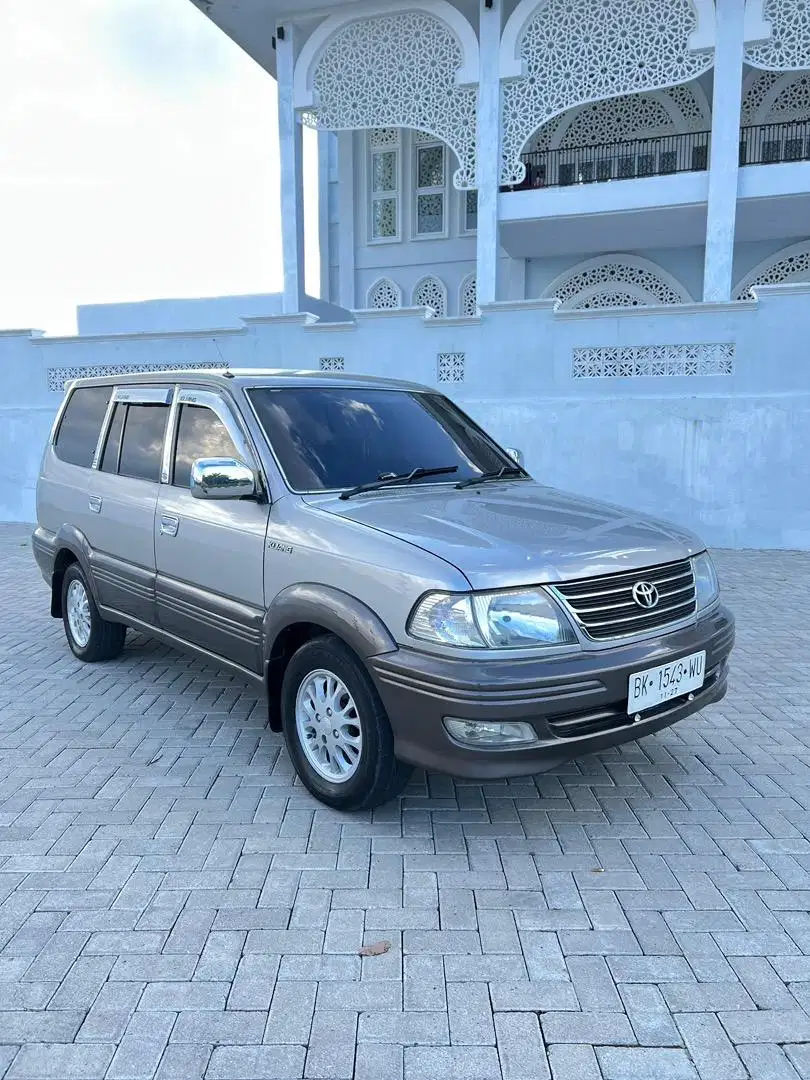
(605, 608)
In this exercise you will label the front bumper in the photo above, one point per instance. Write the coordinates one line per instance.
(576, 704)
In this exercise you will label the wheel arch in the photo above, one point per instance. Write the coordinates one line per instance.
(306, 611)
(70, 546)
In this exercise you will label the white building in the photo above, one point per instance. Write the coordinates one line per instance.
(590, 217)
(608, 154)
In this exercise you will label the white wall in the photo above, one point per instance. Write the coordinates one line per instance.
(726, 454)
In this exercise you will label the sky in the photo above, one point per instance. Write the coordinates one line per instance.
(138, 159)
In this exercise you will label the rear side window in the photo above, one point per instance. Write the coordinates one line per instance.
(81, 425)
(200, 434)
(142, 442)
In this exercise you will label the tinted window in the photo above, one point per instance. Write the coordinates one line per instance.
(200, 434)
(81, 424)
(142, 446)
(109, 459)
(337, 437)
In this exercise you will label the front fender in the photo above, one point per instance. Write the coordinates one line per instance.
(336, 611)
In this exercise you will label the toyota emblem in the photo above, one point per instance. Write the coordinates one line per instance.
(645, 594)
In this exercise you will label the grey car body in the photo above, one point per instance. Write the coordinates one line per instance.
(247, 581)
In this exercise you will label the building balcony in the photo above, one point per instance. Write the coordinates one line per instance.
(624, 160)
(775, 144)
(633, 159)
(611, 197)
(652, 192)
(774, 191)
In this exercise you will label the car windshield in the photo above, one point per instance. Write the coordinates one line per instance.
(338, 437)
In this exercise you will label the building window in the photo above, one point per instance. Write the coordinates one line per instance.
(384, 294)
(469, 210)
(430, 293)
(430, 186)
(383, 171)
(468, 297)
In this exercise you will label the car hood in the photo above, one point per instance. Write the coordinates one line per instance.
(513, 533)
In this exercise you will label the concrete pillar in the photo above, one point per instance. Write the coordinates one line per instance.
(346, 213)
(724, 158)
(488, 151)
(290, 137)
(326, 165)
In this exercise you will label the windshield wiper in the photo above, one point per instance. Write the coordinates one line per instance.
(401, 478)
(501, 474)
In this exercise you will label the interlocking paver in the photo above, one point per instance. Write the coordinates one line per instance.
(331, 1045)
(641, 1063)
(573, 1063)
(595, 1027)
(290, 1017)
(378, 1061)
(408, 1028)
(521, 1048)
(767, 1025)
(46, 1061)
(256, 1063)
(172, 904)
(710, 1048)
(452, 1063)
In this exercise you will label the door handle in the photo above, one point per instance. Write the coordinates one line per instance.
(169, 525)
(94, 502)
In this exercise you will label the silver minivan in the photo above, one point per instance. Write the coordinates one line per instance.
(406, 593)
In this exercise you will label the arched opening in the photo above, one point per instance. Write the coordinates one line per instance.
(384, 293)
(616, 281)
(395, 69)
(792, 264)
(775, 117)
(572, 52)
(653, 133)
(468, 296)
(431, 293)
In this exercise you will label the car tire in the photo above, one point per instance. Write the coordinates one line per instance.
(336, 728)
(90, 637)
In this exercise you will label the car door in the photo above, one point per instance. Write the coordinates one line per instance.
(122, 492)
(210, 553)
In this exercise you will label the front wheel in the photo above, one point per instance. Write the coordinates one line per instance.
(336, 728)
(90, 637)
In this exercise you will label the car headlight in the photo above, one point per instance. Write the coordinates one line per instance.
(707, 587)
(497, 620)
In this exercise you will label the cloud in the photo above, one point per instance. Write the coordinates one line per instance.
(138, 159)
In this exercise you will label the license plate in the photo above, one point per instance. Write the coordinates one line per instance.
(646, 689)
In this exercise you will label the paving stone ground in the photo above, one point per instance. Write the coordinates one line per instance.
(174, 905)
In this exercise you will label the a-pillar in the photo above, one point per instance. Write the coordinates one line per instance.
(290, 137)
(724, 164)
(488, 150)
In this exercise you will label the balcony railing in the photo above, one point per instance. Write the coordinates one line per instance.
(772, 144)
(624, 160)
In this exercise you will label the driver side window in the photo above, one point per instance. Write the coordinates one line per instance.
(200, 434)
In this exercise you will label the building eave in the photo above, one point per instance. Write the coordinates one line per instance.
(249, 23)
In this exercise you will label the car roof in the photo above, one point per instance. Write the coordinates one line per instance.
(226, 377)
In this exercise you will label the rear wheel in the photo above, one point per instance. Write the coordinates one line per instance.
(336, 728)
(90, 637)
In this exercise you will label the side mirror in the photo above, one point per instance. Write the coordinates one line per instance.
(221, 478)
(516, 455)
